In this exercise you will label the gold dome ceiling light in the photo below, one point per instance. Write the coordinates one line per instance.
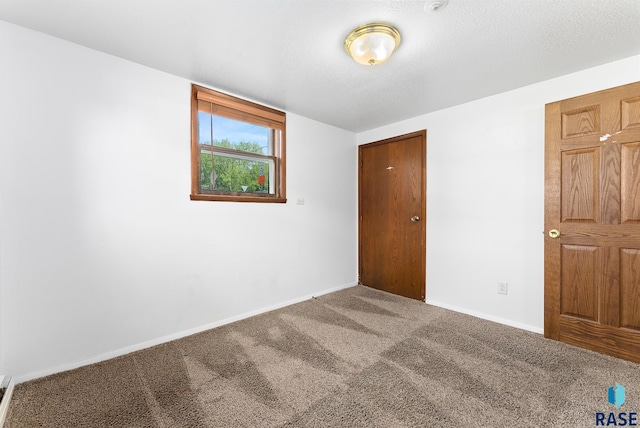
(372, 43)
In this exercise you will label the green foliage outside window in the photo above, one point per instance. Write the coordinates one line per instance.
(231, 174)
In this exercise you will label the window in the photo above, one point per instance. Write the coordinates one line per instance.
(237, 149)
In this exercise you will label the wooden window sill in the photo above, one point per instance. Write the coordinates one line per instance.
(234, 198)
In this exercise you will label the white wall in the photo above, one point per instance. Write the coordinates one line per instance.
(101, 250)
(485, 194)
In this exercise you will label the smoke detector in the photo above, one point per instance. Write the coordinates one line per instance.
(435, 5)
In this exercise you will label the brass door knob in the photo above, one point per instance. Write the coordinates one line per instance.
(554, 233)
(415, 218)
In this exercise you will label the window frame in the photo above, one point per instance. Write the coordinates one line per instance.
(246, 111)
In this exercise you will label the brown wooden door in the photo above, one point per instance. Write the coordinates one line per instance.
(392, 206)
(592, 198)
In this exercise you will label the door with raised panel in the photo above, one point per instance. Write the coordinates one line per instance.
(392, 206)
(592, 221)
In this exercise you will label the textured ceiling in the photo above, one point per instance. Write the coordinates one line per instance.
(289, 53)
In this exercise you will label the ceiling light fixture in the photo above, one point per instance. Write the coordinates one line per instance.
(372, 43)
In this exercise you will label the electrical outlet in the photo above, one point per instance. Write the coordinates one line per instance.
(503, 288)
(300, 201)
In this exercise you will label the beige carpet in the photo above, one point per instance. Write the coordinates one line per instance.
(354, 358)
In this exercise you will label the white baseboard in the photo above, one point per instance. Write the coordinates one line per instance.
(174, 336)
(6, 398)
(484, 316)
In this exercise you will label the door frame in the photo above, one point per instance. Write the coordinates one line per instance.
(423, 208)
(551, 254)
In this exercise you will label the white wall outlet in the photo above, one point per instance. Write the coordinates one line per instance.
(503, 288)
(300, 201)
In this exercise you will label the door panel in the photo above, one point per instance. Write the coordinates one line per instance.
(630, 288)
(592, 197)
(630, 182)
(580, 265)
(585, 121)
(392, 191)
(579, 185)
(631, 113)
